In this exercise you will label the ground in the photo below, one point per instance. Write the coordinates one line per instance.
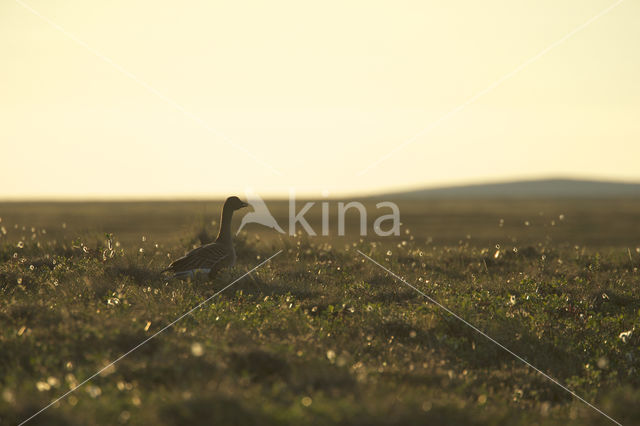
(320, 334)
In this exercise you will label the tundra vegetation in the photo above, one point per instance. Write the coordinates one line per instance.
(320, 334)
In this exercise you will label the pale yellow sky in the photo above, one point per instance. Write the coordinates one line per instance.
(318, 91)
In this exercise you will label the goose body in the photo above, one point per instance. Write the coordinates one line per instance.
(211, 258)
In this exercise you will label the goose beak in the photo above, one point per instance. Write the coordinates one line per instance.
(243, 204)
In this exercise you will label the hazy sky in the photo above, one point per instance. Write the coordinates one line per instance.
(137, 104)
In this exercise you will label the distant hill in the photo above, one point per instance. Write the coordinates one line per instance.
(545, 188)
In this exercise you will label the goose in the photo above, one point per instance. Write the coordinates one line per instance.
(260, 213)
(211, 258)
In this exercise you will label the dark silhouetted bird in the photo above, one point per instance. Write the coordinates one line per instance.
(211, 258)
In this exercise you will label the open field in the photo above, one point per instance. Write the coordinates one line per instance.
(319, 334)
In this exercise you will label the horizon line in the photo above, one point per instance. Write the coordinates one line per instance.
(66, 198)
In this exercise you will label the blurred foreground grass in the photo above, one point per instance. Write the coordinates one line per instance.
(320, 335)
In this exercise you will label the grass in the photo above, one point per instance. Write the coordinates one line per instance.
(319, 334)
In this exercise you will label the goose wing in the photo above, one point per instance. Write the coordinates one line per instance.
(207, 256)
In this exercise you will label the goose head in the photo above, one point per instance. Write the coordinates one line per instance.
(234, 203)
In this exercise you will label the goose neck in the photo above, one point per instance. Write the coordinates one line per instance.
(224, 235)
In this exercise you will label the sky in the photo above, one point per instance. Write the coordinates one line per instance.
(159, 99)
